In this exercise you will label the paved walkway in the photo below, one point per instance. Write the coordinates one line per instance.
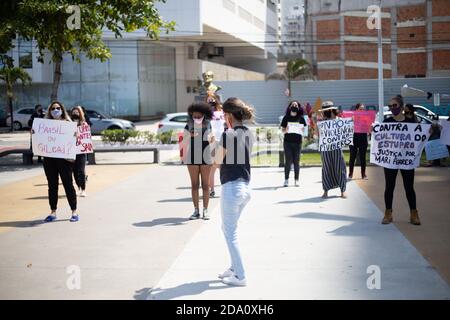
(297, 246)
(134, 242)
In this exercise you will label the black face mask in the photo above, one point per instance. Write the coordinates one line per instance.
(75, 117)
(327, 114)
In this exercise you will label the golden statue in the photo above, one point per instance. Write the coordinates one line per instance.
(208, 85)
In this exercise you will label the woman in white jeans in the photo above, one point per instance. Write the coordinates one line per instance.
(234, 155)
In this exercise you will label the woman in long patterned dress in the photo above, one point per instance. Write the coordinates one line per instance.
(334, 171)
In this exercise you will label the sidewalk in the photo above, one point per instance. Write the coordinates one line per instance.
(296, 246)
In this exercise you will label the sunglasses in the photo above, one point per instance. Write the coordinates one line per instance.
(393, 105)
(56, 108)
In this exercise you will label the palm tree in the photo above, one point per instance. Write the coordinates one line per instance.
(296, 68)
(10, 75)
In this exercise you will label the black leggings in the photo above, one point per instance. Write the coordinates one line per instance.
(55, 168)
(79, 171)
(390, 176)
(361, 149)
(292, 154)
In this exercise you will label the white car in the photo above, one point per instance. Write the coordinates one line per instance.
(173, 121)
(21, 117)
(422, 111)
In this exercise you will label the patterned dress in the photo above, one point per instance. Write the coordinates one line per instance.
(334, 171)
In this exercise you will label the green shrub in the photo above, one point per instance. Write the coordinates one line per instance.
(165, 137)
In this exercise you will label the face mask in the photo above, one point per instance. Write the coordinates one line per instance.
(396, 111)
(198, 121)
(75, 117)
(56, 113)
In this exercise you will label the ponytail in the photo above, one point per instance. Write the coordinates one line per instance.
(239, 110)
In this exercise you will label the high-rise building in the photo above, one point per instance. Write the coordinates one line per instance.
(292, 28)
(416, 39)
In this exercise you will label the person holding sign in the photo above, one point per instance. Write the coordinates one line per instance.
(79, 167)
(197, 154)
(360, 145)
(396, 106)
(292, 126)
(218, 127)
(57, 167)
(334, 170)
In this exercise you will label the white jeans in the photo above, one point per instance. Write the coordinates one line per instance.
(235, 195)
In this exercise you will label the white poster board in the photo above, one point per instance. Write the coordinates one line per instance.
(445, 133)
(335, 134)
(435, 149)
(54, 138)
(397, 145)
(217, 127)
(296, 128)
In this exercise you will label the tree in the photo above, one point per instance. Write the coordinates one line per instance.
(76, 26)
(11, 75)
(295, 69)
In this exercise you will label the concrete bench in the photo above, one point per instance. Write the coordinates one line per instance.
(27, 154)
(91, 156)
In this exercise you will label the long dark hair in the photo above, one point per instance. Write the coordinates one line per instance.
(64, 114)
(299, 107)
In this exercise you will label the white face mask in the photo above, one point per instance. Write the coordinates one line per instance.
(56, 113)
(199, 121)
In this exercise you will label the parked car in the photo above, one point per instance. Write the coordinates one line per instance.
(424, 112)
(101, 122)
(173, 121)
(21, 117)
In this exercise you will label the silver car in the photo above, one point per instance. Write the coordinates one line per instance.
(101, 122)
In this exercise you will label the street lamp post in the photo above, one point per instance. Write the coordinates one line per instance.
(380, 68)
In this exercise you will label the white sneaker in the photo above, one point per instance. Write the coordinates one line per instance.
(296, 183)
(227, 273)
(83, 193)
(233, 281)
(286, 183)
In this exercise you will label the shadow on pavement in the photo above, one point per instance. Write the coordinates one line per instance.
(27, 224)
(187, 289)
(308, 200)
(162, 221)
(268, 188)
(177, 200)
(325, 216)
(44, 197)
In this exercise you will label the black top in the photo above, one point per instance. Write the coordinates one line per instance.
(292, 137)
(201, 138)
(236, 163)
(391, 119)
(33, 116)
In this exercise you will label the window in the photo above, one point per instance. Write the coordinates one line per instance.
(191, 53)
(180, 119)
(26, 111)
(25, 54)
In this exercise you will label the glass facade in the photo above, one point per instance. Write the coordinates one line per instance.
(139, 80)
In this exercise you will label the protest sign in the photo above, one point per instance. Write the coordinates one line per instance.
(363, 119)
(54, 138)
(435, 149)
(217, 127)
(335, 134)
(296, 128)
(397, 145)
(84, 139)
(445, 133)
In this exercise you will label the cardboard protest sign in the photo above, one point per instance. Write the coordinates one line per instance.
(54, 138)
(317, 105)
(363, 119)
(397, 145)
(435, 149)
(445, 133)
(84, 139)
(335, 134)
(296, 128)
